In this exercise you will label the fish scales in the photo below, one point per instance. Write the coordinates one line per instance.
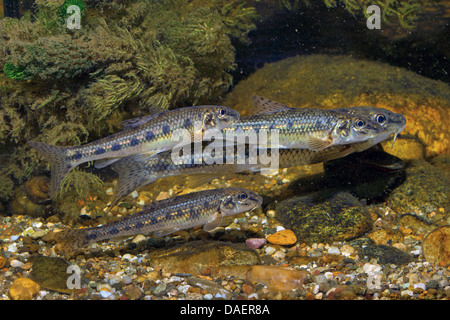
(139, 170)
(163, 217)
(151, 134)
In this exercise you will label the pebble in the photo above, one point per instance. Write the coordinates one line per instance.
(16, 263)
(283, 237)
(3, 262)
(255, 243)
(23, 289)
(270, 250)
(334, 250)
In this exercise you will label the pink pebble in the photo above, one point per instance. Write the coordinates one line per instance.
(255, 243)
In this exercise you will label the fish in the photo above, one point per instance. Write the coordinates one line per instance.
(383, 117)
(304, 128)
(388, 122)
(139, 170)
(151, 134)
(202, 208)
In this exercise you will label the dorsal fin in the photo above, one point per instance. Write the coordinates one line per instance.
(262, 105)
(136, 122)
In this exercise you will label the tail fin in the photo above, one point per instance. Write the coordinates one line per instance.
(132, 175)
(70, 241)
(59, 165)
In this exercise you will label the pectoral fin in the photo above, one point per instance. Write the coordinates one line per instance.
(317, 144)
(166, 231)
(215, 222)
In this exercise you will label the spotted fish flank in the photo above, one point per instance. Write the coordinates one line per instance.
(139, 170)
(149, 134)
(163, 217)
(307, 128)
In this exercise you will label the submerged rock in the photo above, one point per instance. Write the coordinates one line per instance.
(51, 273)
(23, 289)
(277, 278)
(425, 189)
(338, 81)
(31, 198)
(384, 254)
(436, 246)
(340, 217)
(202, 257)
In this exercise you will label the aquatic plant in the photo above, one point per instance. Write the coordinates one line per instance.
(13, 72)
(79, 189)
(62, 11)
(130, 58)
(405, 11)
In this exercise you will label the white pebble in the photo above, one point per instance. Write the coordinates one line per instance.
(134, 194)
(128, 257)
(420, 285)
(280, 228)
(270, 250)
(328, 275)
(279, 255)
(105, 294)
(37, 224)
(208, 296)
(12, 247)
(371, 268)
(253, 295)
(14, 238)
(184, 288)
(16, 263)
(334, 250)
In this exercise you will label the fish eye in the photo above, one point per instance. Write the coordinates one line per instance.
(242, 196)
(380, 118)
(360, 123)
(222, 112)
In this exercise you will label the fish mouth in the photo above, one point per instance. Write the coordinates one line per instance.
(259, 200)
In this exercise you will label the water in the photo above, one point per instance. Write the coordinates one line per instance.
(71, 77)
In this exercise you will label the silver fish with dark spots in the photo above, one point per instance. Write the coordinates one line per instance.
(150, 134)
(304, 128)
(163, 217)
(394, 123)
(139, 170)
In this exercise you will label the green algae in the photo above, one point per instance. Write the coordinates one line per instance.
(130, 58)
(426, 189)
(406, 12)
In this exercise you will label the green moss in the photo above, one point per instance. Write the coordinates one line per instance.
(79, 187)
(15, 73)
(405, 11)
(131, 57)
(62, 11)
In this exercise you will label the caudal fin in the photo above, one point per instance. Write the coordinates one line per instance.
(132, 175)
(59, 164)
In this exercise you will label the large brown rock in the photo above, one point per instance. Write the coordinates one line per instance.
(339, 81)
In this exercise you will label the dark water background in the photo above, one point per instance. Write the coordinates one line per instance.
(320, 30)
